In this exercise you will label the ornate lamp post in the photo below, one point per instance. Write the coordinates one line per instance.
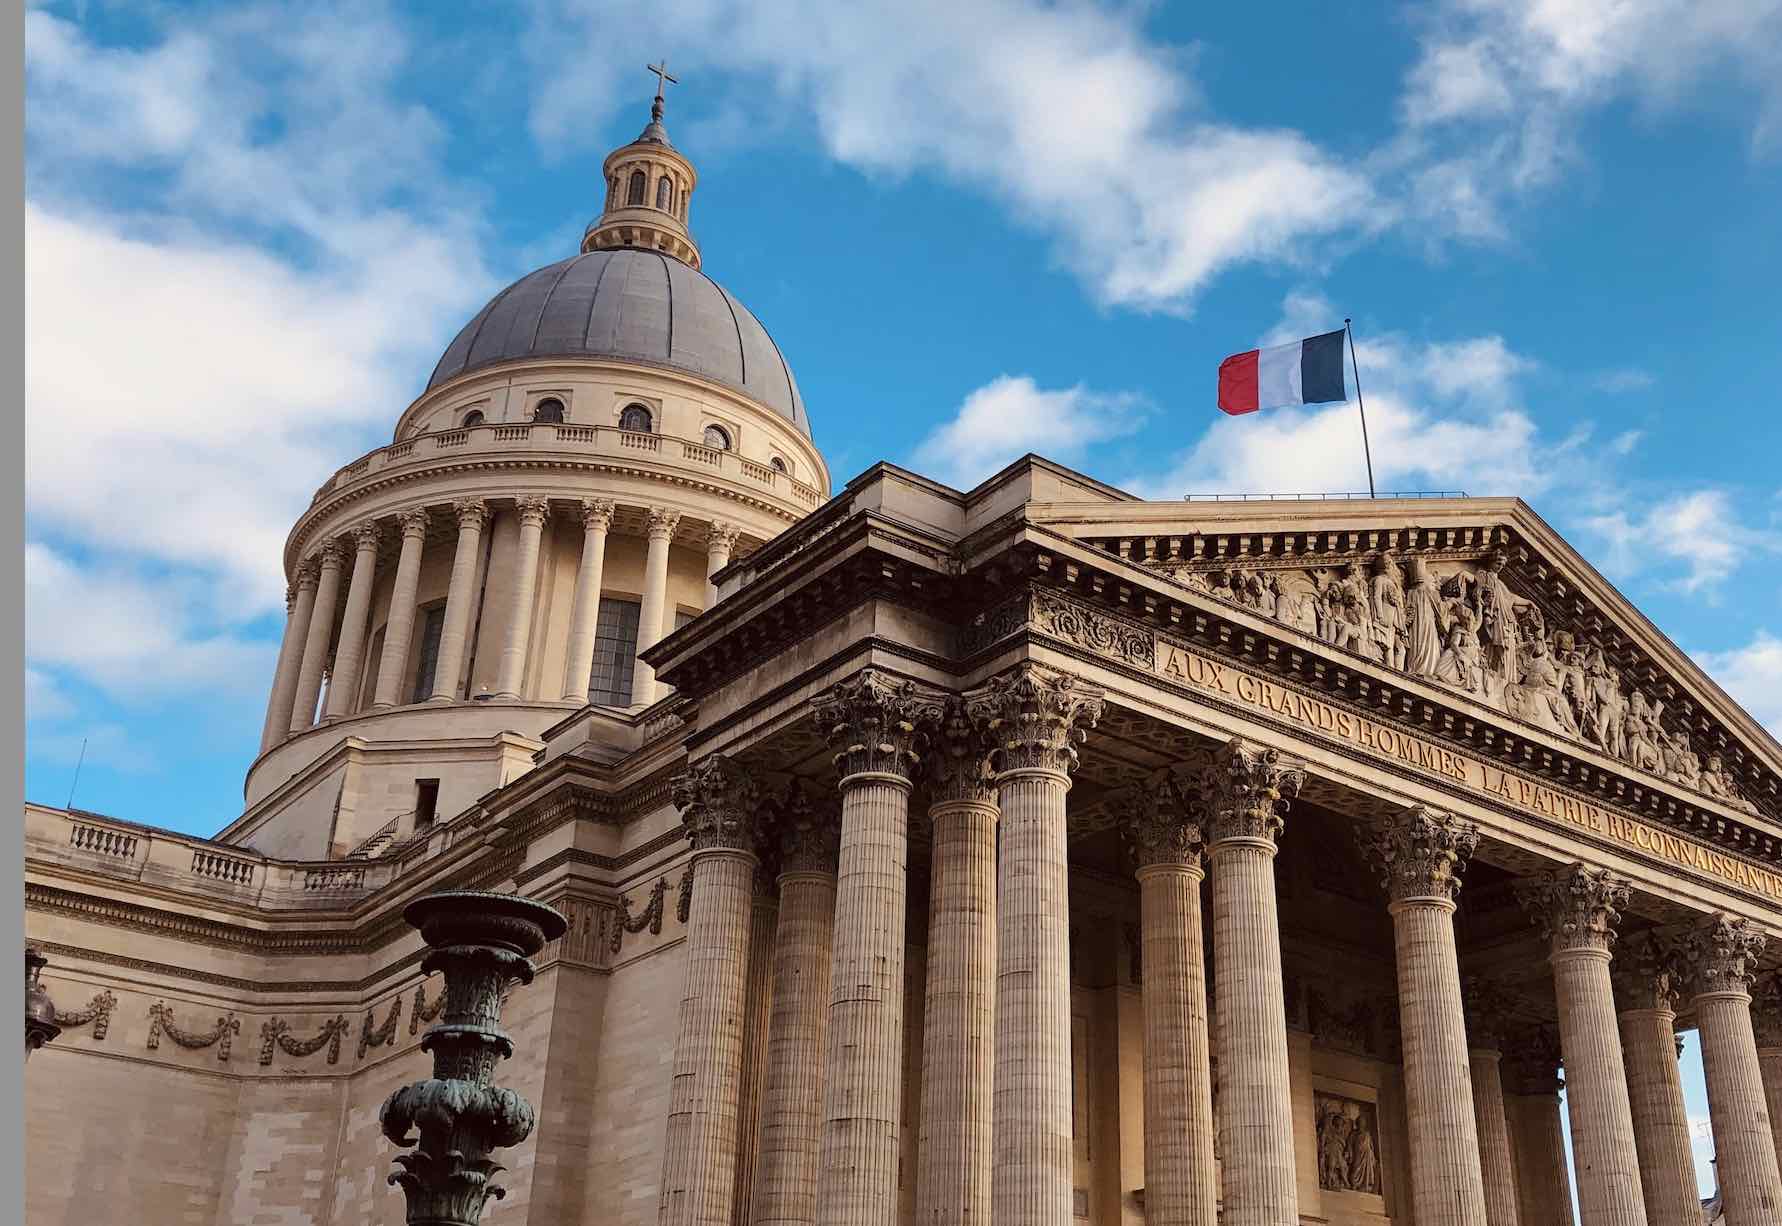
(40, 1010)
(481, 943)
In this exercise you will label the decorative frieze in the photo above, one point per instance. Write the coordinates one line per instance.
(874, 723)
(276, 1033)
(1420, 853)
(1247, 789)
(1722, 955)
(1036, 718)
(220, 1036)
(1577, 907)
(1086, 627)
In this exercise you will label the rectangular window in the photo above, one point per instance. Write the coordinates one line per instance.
(682, 617)
(615, 653)
(426, 802)
(432, 622)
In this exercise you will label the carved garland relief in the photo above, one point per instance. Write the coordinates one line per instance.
(1461, 625)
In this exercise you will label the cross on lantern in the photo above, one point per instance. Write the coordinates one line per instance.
(662, 77)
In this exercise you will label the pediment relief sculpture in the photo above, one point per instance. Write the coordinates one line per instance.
(1462, 625)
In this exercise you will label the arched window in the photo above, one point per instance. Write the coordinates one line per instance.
(548, 409)
(779, 466)
(634, 194)
(637, 419)
(717, 438)
(612, 191)
(473, 418)
(664, 194)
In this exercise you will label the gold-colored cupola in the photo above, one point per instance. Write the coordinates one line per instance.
(649, 186)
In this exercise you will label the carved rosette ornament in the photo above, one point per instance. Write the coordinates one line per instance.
(1162, 826)
(40, 1010)
(874, 722)
(1247, 789)
(482, 943)
(808, 832)
(719, 803)
(1036, 719)
(1420, 854)
(1723, 955)
(1648, 973)
(959, 757)
(1576, 908)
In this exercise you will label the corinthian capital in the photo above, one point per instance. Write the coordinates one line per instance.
(1420, 853)
(808, 831)
(959, 753)
(1722, 955)
(1489, 1009)
(719, 805)
(597, 514)
(412, 522)
(331, 554)
(471, 513)
(1648, 972)
(533, 509)
(309, 571)
(722, 536)
(366, 536)
(1247, 789)
(1576, 908)
(662, 522)
(1161, 823)
(1036, 719)
(874, 723)
(1766, 1011)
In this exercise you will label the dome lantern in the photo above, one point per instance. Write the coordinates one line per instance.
(649, 186)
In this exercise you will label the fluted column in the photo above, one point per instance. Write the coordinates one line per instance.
(584, 614)
(1722, 960)
(1543, 1177)
(871, 721)
(1035, 719)
(719, 541)
(1577, 908)
(651, 615)
(1163, 834)
(300, 603)
(718, 811)
(1246, 792)
(349, 656)
(1421, 854)
(804, 945)
(331, 557)
(953, 1157)
(399, 628)
(511, 679)
(1645, 976)
(1766, 1023)
(1487, 1008)
(472, 515)
(764, 916)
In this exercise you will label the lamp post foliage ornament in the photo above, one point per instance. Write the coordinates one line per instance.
(40, 1010)
(481, 942)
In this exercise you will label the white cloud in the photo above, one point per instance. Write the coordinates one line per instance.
(1752, 674)
(1066, 113)
(1627, 379)
(1699, 532)
(1011, 416)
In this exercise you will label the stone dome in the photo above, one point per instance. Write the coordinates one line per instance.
(634, 305)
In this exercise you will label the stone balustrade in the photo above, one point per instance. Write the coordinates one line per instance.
(522, 438)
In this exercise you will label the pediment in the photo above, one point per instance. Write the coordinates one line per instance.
(1475, 596)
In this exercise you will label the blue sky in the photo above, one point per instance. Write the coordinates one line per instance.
(975, 230)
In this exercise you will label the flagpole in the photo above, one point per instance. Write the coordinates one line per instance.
(1362, 406)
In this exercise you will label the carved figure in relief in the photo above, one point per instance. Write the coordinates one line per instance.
(1499, 618)
(1608, 709)
(1425, 622)
(1680, 761)
(1297, 605)
(1334, 1127)
(1717, 782)
(1640, 733)
(1364, 1159)
(1536, 696)
(1462, 663)
(1347, 618)
(1388, 612)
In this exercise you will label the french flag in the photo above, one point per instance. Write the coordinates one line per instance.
(1305, 372)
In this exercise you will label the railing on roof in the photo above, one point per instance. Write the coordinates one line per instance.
(1335, 497)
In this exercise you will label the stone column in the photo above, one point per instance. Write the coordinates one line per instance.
(300, 604)
(1245, 793)
(511, 679)
(953, 1162)
(1163, 835)
(719, 541)
(1645, 981)
(1577, 908)
(1766, 1025)
(584, 615)
(1722, 956)
(349, 655)
(1421, 854)
(871, 721)
(804, 944)
(472, 515)
(1035, 719)
(718, 811)
(399, 628)
(654, 610)
(321, 629)
(1486, 1009)
(764, 916)
(1543, 1178)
